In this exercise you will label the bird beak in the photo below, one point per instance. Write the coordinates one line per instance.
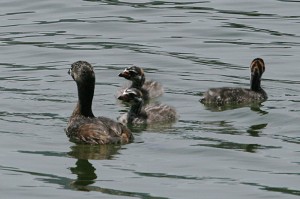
(123, 98)
(69, 71)
(125, 74)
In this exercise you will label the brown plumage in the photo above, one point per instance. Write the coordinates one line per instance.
(83, 126)
(228, 95)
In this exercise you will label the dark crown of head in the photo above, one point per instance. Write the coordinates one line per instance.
(133, 92)
(137, 70)
(81, 64)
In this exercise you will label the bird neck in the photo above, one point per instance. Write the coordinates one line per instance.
(85, 98)
(136, 109)
(138, 83)
(255, 82)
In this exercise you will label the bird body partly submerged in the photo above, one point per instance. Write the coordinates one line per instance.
(150, 114)
(83, 126)
(97, 130)
(229, 95)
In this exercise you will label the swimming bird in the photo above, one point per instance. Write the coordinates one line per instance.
(229, 95)
(83, 126)
(150, 114)
(150, 89)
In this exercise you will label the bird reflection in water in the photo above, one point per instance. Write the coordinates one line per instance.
(256, 107)
(254, 130)
(85, 174)
(94, 152)
(85, 171)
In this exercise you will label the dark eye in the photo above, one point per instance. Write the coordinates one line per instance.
(131, 95)
(131, 72)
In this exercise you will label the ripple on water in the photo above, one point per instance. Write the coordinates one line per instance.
(189, 46)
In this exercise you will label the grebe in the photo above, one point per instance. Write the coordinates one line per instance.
(150, 114)
(229, 95)
(83, 126)
(150, 89)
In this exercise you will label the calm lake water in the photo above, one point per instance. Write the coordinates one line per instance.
(188, 46)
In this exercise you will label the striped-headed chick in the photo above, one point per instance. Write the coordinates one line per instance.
(150, 114)
(150, 89)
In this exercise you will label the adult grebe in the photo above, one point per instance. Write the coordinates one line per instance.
(83, 126)
(229, 95)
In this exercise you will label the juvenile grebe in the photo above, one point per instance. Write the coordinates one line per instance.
(228, 95)
(83, 126)
(150, 89)
(150, 114)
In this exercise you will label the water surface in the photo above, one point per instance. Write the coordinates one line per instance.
(188, 46)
